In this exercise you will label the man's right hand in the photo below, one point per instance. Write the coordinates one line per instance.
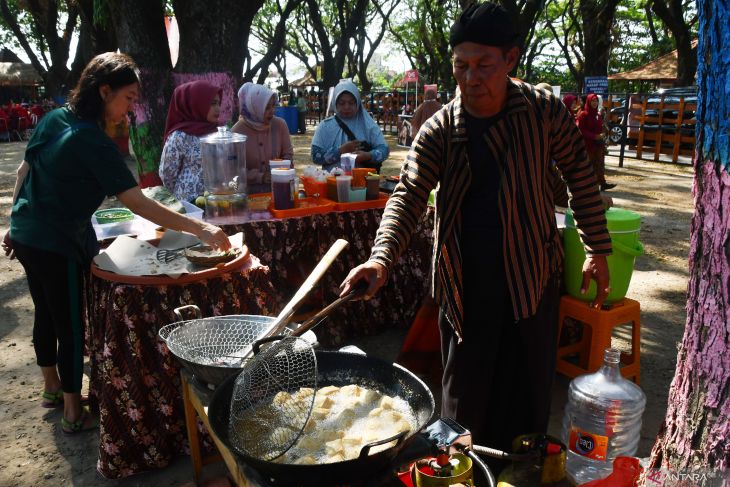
(374, 273)
(350, 146)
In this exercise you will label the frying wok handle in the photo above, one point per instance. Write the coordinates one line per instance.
(256, 347)
(360, 288)
(365, 452)
(189, 307)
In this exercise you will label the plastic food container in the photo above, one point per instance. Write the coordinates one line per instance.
(347, 162)
(372, 183)
(283, 188)
(357, 195)
(280, 164)
(359, 174)
(380, 202)
(332, 188)
(343, 188)
(113, 215)
(302, 206)
(192, 211)
(314, 188)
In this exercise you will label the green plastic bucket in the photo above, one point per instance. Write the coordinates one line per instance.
(624, 226)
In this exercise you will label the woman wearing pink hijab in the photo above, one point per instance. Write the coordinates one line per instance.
(590, 123)
(194, 112)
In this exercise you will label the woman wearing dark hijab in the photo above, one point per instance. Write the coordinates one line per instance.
(193, 112)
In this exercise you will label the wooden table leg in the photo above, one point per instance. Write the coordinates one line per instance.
(192, 427)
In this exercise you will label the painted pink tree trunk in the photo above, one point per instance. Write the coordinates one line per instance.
(696, 430)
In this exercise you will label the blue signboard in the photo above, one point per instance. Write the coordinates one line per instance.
(597, 85)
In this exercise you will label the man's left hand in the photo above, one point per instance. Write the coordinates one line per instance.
(596, 268)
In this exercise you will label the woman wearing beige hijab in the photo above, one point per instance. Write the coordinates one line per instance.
(267, 135)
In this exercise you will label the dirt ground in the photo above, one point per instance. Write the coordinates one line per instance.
(36, 453)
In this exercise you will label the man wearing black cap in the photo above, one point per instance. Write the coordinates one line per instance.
(497, 253)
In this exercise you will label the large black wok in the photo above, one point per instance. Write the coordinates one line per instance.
(338, 369)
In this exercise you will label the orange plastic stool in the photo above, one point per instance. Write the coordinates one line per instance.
(597, 328)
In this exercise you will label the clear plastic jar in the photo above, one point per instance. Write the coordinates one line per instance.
(602, 420)
(283, 188)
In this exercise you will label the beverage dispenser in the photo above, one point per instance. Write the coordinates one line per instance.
(224, 173)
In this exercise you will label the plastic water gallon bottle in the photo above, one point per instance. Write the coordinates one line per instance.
(602, 420)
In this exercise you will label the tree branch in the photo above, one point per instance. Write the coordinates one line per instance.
(22, 39)
(650, 21)
(564, 47)
(277, 40)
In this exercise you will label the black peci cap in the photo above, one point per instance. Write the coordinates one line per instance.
(484, 23)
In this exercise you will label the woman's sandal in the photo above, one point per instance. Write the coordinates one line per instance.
(53, 400)
(85, 423)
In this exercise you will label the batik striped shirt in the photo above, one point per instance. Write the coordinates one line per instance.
(535, 130)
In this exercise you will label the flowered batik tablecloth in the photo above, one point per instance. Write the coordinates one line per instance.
(291, 248)
(135, 381)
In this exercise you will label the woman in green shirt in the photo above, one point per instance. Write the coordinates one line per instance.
(70, 166)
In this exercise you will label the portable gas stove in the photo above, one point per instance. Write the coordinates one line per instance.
(440, 455)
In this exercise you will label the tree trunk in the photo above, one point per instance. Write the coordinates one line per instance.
(84, 53)
(524, 16)
(597, 17)
(46, 18)
(103, 37)
(214, 34)
(140, 29)
(673, 18)
(686, 60)
(697, 422)
(213, 44)
(95, 37)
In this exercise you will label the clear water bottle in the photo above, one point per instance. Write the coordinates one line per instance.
(602, 420)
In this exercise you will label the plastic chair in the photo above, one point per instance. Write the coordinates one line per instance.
(598, 326)
(24, 128)
(4, 130)
(18, 127)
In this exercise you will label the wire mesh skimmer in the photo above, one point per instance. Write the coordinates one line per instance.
(273, 397)
(213, 348)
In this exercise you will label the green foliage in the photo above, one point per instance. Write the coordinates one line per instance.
(421, 30)
(632, 43)
(265, 22)
(551, 70)
(382, 77)
(25, 22)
